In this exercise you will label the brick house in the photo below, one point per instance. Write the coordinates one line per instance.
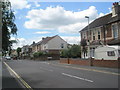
(104, 30)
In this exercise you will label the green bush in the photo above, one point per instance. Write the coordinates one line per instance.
(37, 54)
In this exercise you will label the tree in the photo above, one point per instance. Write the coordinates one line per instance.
(72, 52)
(18, 51)
(75, 51)
(8, 26)
(65, 53)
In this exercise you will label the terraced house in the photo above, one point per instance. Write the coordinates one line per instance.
(104, 30)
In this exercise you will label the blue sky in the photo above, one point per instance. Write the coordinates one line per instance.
(41, 19)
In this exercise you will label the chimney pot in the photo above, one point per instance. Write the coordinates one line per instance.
(43, 38)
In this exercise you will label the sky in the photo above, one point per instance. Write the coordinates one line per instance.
(36, 19)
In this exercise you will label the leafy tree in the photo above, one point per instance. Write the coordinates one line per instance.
(75, 51)
(65, 53)
(8, 26)
(18, 51)
(72, 52)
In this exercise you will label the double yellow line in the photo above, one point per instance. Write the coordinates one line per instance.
(19, 78)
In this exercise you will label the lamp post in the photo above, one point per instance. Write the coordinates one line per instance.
(88, 42)
(0, 30)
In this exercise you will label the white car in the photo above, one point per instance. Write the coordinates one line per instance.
(8, 58)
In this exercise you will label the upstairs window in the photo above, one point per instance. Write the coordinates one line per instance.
(98, 35)
(93, 35)
(62, 45)
(115, 30)
(111, 53)
(84, 35)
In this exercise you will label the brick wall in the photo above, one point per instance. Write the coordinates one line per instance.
(106, 63)
(80, 62)
(75, 61)
(92, 62)
(64, 60)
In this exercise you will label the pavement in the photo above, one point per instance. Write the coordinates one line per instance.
(52, 74)
(115, 70)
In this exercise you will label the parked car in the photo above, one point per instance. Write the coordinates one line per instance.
(8, 58)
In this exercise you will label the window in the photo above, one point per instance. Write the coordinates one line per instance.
(111, 53)
(44, 46)
(62, 45)
(115, 30)
(98, 35)
(93, 35)
(84, 35)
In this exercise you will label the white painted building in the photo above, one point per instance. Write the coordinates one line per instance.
(54, 43)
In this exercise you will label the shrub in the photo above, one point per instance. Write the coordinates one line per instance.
(37, 54)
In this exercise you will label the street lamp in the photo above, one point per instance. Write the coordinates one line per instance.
(88, 42)
(88, 21)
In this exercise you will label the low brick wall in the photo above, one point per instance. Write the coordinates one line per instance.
(64, 60)
(106, 63)
(74, 61)
(80, 62)
(92, 62)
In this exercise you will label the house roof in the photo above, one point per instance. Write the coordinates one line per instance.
(99, 22)
(45, 40)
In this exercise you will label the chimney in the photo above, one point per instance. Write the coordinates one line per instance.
(33, 42)
(43, 38)
(115, 9)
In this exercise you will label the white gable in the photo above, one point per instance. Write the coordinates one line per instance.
(56, 43)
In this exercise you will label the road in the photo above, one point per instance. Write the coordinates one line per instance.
(8, 80)
(52, 74)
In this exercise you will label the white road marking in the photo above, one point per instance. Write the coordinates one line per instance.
(77, 77)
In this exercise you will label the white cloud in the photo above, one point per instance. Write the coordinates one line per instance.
(22, 41)
(37, 4)
(57, 18)
(20, 4)
(43, 32)
(101, 14)
(72, 28)
(71, 39)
